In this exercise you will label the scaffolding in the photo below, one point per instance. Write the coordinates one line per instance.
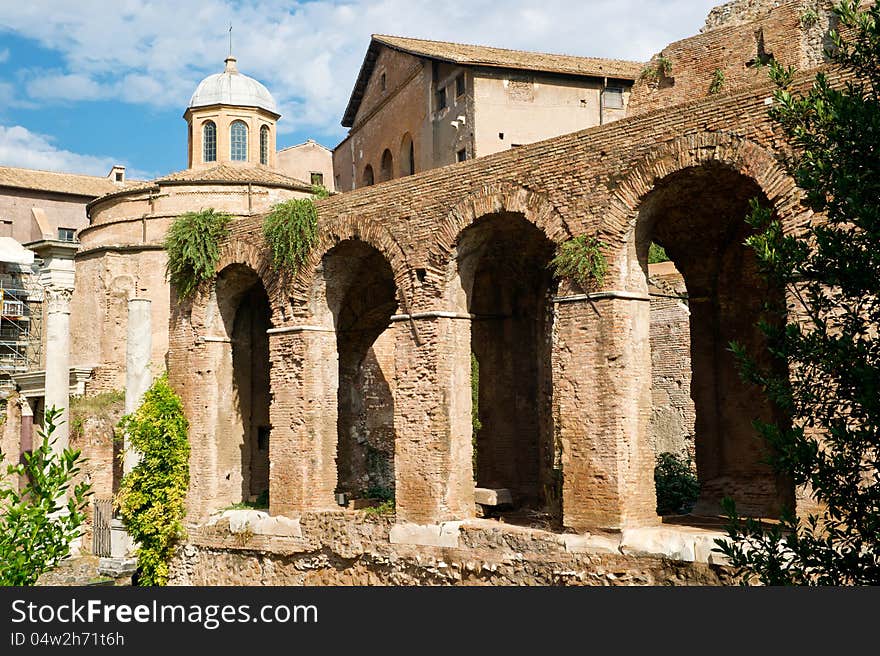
(20, 319)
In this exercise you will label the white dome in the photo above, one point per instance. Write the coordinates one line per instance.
(232, 88)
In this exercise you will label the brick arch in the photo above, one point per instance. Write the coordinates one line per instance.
(744, 156)
(351, 227)
(243, 252)
(493, 199)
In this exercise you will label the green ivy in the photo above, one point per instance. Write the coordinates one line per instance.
(291, 230)
(717, 83)
(39, 522)
(582, 260)
(152, 496)
(193, 248)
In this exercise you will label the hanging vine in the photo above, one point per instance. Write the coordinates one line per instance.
(193, 248)
(291, 230)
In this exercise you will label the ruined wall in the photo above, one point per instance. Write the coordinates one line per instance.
(672, 410)
(741, 43)
(349, 548)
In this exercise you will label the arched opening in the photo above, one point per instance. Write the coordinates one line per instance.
(361, 295)
(407, 155)
(238, 141)
(368, 176)
(243, 428)
(502, 262)
(209, 141)
(709, 295)
(264, 145)
(387, 170)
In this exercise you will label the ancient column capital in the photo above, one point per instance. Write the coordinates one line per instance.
(58, 299)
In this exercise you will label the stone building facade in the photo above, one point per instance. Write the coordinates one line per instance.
(418, 105)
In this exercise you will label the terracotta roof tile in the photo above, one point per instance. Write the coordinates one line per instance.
(60, 183)
(473, 55)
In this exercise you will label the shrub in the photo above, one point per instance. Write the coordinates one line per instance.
(657, 254)
(152, 496)
(582, 260)
(39, 522)
(677, 485)
(717, 84)
(193, 247)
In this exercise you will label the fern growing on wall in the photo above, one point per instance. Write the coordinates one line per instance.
(717, 83)
(193, 248)
(291, 230)
(582, 260)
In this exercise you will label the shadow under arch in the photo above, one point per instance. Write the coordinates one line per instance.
(238, 330)
(698, 215)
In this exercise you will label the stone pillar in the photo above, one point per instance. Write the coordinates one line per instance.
(138, 376)
(432, 420)
(57, 279)
(602, 405)
(58, 361)
(304, 379)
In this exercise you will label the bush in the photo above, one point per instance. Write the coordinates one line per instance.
(291, 230)
(39, 522)
(582, 260)
(152, 496)
(193, 247)
(677, 485)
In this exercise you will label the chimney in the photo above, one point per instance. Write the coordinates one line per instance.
(117, 174)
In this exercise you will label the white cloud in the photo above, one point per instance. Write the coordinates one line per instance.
(4, 55)
(309, 53)
(23, 148)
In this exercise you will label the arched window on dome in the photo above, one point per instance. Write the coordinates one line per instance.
(238, 142)
(209, 141)
(264, 145)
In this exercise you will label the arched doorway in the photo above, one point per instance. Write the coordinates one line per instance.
(697, 215)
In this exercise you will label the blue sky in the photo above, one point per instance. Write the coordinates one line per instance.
(87, 84)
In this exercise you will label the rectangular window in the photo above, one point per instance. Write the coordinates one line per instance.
(318, 179)
(612, 98)
(441, 98)
(66, 234)
(462, 155)
(384, 82)
(459, 86)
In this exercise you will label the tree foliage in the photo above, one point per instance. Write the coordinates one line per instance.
(193, 247)
(40, 521)
(832, 352)
(152, 496)
(676, 484)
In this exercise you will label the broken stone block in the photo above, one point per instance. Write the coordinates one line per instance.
(490, 497)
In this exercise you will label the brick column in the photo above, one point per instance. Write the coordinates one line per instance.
(602, 404)
(433, 466)
(302, 448)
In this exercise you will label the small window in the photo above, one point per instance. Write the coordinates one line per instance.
(317, 179)
(238, 146)
(383, 82)
(501, 136)
(441, 98)
(119, 176)
(612, 98)
(66, 234)
(209, 142)
(264, 145)
(459, 86)
(462, 155)
(368, 176)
